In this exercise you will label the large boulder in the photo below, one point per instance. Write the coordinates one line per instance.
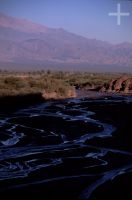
(122, 84)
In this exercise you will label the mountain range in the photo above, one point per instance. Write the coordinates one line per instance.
(28, 45)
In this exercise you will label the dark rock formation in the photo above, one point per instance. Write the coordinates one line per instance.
(122, 84)
(85, 86)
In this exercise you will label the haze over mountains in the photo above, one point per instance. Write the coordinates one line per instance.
(30, 45)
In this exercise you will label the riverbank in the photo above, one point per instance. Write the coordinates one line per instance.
(52, 85)
(10, 103)
(24, 89)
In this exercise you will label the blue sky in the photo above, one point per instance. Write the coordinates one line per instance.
(88, 18)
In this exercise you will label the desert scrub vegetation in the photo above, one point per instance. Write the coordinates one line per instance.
(31, 83)
(59, 84)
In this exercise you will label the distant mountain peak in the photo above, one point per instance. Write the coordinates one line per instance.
(21, 24)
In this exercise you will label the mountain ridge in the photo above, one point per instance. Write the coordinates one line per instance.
(19, 24)
(23, 41)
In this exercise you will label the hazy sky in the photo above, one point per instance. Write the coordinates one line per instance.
(88, 18)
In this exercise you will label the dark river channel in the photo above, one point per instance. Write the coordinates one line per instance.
(68, 149)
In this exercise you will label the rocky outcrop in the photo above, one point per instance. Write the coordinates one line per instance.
(122, 85)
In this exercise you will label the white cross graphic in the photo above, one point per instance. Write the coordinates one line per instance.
(118, 14)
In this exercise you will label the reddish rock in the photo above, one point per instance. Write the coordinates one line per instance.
(118, 84)
(122, 84)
